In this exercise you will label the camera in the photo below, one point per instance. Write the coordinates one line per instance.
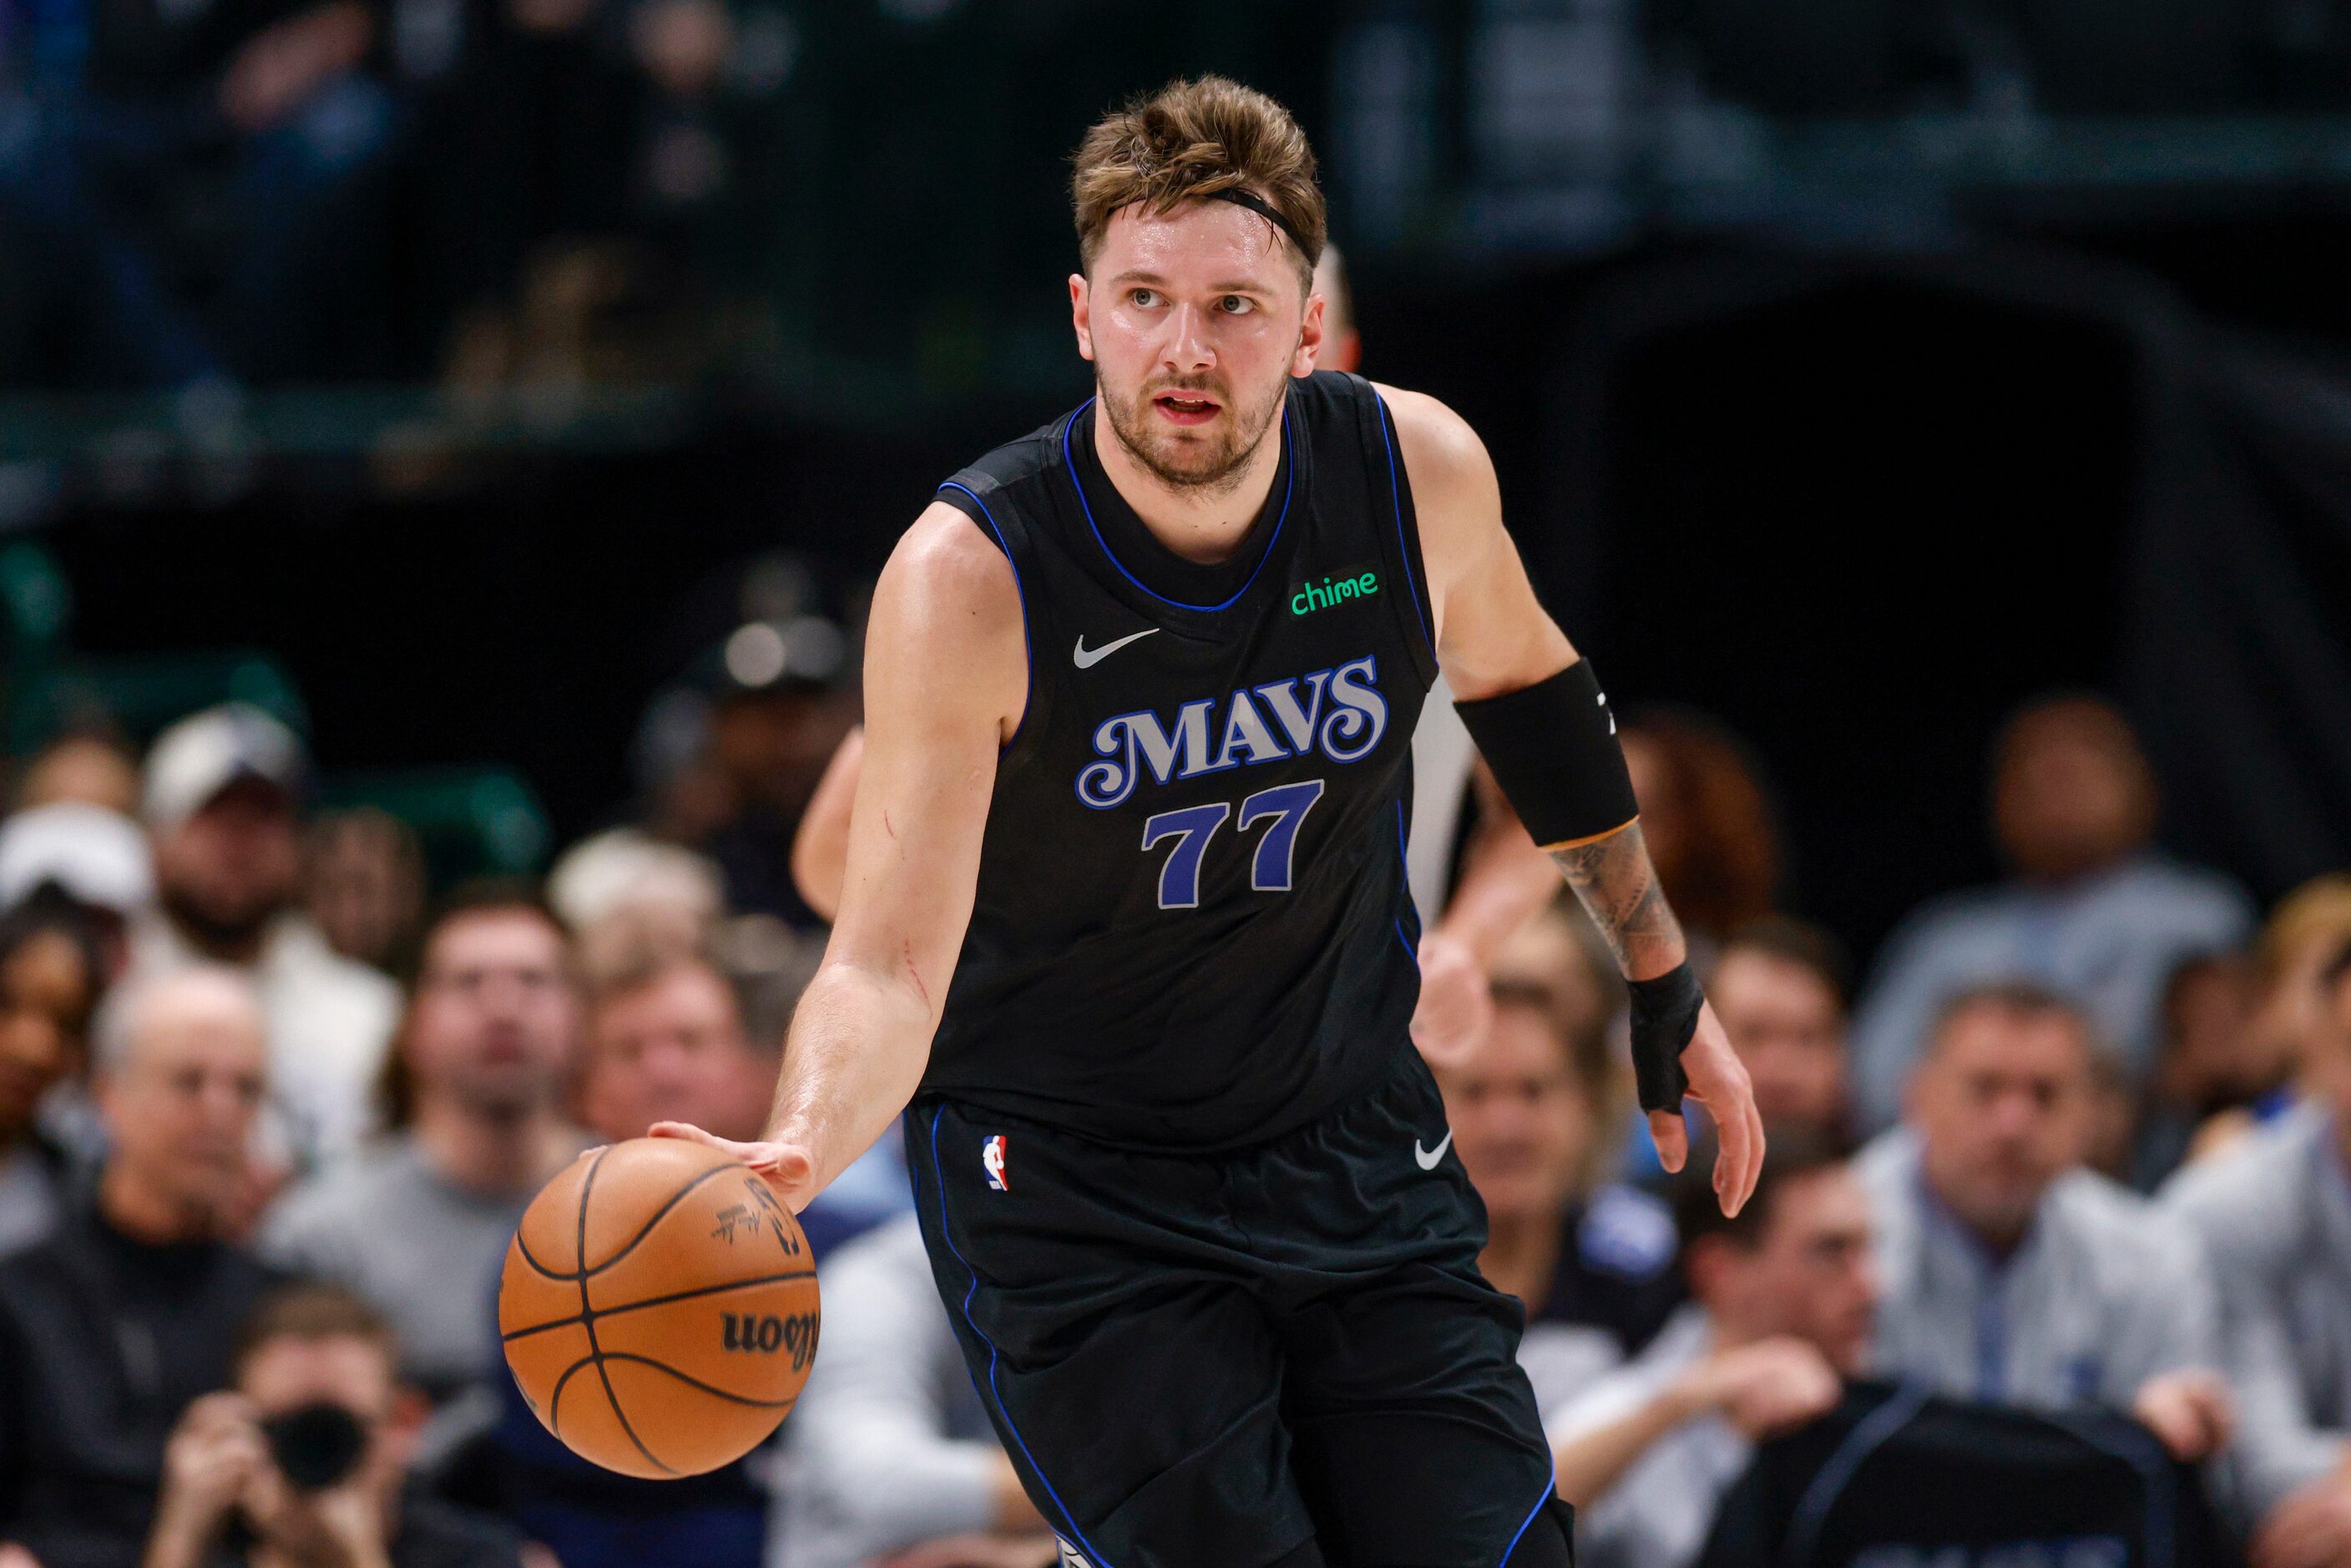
(315, 1445)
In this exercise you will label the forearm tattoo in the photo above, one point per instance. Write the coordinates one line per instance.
(1618, 888)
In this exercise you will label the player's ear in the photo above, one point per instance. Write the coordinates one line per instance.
(1310, 337)
(1081, 315)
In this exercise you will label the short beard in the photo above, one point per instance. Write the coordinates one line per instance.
(236, 936)
(1230, 462)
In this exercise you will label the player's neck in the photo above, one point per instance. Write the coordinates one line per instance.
(1201, 523)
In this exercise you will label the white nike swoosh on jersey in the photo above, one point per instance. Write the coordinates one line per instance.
(1086, 658)
(1427, 1158)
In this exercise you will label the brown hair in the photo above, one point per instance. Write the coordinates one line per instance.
(312, 1310)
(1720, 860)
(1793, 941)
(1191, 139)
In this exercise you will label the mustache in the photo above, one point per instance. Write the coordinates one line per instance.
(1212, 385)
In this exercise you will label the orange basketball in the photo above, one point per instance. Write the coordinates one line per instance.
(659, 1308)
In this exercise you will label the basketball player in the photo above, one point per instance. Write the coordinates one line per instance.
(1125, 914)
(1504, 878)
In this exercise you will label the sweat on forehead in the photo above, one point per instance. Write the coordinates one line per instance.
(1225, 242)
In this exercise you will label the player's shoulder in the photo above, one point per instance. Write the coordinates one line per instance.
(1005, 474)
(1442, 455)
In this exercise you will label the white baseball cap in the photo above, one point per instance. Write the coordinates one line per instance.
(204, 754)
(97, 856)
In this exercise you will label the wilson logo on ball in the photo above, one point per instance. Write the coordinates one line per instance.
(766, 1333)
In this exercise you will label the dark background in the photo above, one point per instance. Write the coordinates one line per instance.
(1852, 447)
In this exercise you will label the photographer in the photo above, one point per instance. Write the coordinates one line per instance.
(300, 1463)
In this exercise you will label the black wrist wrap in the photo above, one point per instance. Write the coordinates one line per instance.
(1665, 1016)
(1552, 747)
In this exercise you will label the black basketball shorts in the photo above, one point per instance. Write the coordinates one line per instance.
(1206, 1362)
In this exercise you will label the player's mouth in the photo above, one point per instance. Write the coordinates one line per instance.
(1186, 408)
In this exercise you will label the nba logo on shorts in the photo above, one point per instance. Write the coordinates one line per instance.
(991, 1160)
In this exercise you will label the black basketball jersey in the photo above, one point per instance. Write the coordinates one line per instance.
(1192, 928)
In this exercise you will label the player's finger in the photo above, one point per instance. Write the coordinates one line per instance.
(1731, 1161)
(1758, 1146)
(1665, 1130)
(686, 1130)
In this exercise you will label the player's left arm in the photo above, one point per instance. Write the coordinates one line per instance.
(1542, 725)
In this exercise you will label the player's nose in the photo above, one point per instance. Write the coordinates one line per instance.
(1187, 350)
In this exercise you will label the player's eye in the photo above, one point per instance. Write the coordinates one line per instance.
(1146, 297)
(1236, 304)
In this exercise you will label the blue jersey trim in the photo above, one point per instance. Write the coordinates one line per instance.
(1020, 590)
(1289, 485)
(1404, 852)
(938, 1174)
(1524, 1523)
(1404, 547)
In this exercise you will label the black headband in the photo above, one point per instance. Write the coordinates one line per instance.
(1266, 209)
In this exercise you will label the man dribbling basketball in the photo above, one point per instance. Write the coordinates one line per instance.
(1128, 842)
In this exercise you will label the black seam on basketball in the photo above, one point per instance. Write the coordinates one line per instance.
(588, 1320)
(524, 1248)
(555, 1400)
(697, 1382)
(511, 1335)
(647, 1228)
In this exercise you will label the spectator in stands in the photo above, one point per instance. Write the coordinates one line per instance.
(90, 858)
(305, 1450)
(88, 769)
(50, 977)
(1535, 1111)
(2091, 908)
(223, 791)
(889, 1451)
(419, 1224)
(667, 1043)
(182, 168)
(363, 883)
(1781, 1302)
(665, 1038)
(1708, 822)
(2209, 1065)
(2301, 935)
(131, 1308)
(2275, 1211)
(624, 893)
(2013, 1274)
(1779, 987)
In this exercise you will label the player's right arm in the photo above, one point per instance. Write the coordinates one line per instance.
(946, 671)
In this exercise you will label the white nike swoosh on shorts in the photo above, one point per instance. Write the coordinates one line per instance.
(1086, 658)
(1427, 1158)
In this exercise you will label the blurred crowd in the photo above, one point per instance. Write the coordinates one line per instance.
(2076, 1148)
(2055, 1227)
(203, 196)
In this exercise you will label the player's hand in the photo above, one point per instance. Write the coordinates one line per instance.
(2311, 1529)
(1770, 1386)
(2190, 1411)
(1718, 1080)
(790, 1168)
(1456, 1006)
